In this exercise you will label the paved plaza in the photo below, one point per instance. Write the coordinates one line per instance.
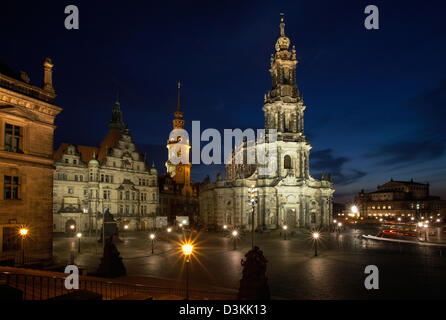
(405, 271)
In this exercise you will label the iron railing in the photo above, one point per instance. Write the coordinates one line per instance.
(41, 287)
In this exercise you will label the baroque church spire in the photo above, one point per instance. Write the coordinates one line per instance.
(283, 104)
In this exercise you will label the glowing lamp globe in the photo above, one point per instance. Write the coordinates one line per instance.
(187, 249)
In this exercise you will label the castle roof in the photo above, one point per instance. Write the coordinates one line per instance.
(87, 152)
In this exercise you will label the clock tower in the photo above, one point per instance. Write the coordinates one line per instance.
(179, 172)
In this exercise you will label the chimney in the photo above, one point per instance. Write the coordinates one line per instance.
(48, 76)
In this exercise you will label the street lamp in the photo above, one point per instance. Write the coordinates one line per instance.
(354, 209)
(79, 236)
(169, 230)
(152, 237)
(23, 232)
(234, 238)
(426, 227)
(339, 227)
(315, 238)
(253, 195)
(187, 249)
(285, 228)
(225, 227)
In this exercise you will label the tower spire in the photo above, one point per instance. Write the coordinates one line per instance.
(116, 121)
(282, 25)
(178, 104)
(178, 122)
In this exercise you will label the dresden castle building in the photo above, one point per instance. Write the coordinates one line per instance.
(89, 180)
(288, 194)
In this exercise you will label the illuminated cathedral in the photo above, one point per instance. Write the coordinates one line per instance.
(288, 195)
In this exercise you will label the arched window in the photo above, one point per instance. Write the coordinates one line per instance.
(287, 162)
(313, 217)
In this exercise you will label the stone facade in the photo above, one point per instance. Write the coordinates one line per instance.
(288, 194)
(115, 176)
(27, 115)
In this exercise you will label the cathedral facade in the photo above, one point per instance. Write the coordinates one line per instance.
(287, 195)
(89, 180)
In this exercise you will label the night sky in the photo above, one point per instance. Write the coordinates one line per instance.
(375, 100)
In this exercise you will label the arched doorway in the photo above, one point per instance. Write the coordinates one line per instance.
(70, 226)
(291, 218)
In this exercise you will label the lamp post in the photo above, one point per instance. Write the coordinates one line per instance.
(285, 228)
(339, 227)
(234, 238)
(253, 195)
(315, 238)
(23, 232)
(79, 236)
(152, 237)
(187, 251)
(426, 227)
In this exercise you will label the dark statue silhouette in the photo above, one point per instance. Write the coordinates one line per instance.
(111, 263)
(254, 283)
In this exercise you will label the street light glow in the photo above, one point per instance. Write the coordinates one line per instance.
(354, 209)
(152, 236)
(23, 232)
(187, 249)
(169, 229)
(315, 235)
(225, 227)
(126, 227)
(79, 235)
(285, 227)
(72, 227)
(234, 233)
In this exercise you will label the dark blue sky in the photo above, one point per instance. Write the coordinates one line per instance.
(375, 99)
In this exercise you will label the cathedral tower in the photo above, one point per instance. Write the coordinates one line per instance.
(284, 110)
(283, 105)
(179, 172)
